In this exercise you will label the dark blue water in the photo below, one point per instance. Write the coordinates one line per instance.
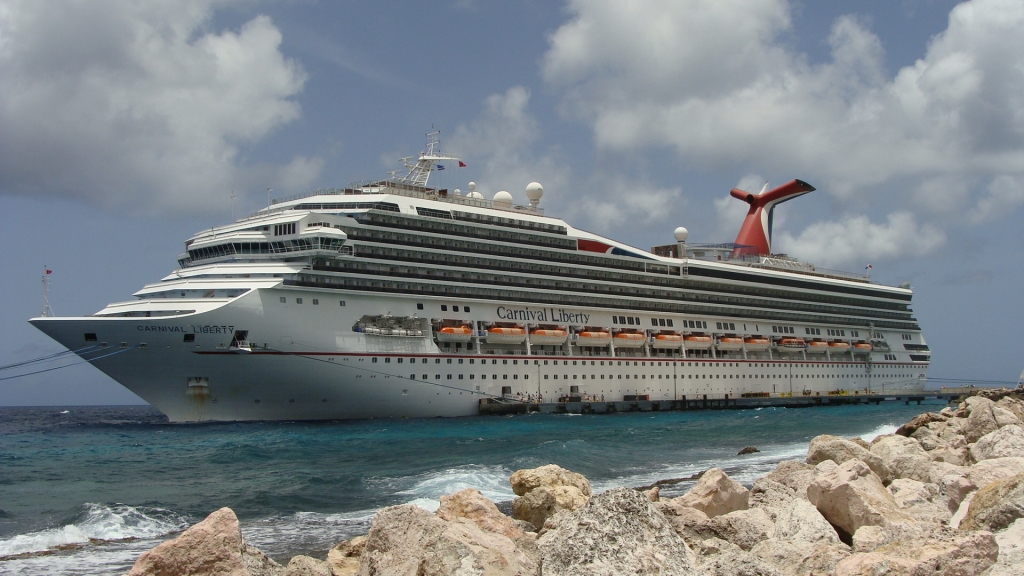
(86, 489)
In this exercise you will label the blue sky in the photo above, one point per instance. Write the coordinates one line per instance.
(125, 127)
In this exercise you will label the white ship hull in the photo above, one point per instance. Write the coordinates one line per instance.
(306, 363)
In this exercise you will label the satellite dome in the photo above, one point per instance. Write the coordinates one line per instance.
(458, 192)
(534, 191)
(681, 234)
(475, 195)
(503, 199)
(472, 186)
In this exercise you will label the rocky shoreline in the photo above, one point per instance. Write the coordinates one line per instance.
(943, 495)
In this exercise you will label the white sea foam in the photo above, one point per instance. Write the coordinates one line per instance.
(491, 481)
(883, 429)
(97, 522)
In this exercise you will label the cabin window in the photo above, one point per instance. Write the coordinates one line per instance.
(187, 338)
(455, 308)
(341, 303)
(283, 299)
(91, 336)
(316, 301)
(669, 322)
(419, 306)
(298, 300)
(465, 308)
(444, 307)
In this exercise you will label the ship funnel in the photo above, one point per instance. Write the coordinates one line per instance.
(755, 237)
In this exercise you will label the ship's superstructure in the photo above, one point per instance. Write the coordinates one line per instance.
(392, 298)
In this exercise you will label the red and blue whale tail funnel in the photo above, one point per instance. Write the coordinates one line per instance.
(755, 237)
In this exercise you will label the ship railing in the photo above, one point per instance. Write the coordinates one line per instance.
(727, 252)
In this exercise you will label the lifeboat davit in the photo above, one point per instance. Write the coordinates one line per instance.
(730, 343)
(629, 340)
(696, 342)
(499, 335)
(862, 348)
(454, 334)
(792, 343)
(839, 346)
(669, 340)
(757, 344)
(548, 337)
(817, 347)
(593, 338)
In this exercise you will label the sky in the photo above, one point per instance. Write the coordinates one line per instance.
(126, 126)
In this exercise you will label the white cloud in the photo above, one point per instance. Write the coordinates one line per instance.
(716, 81)
(137, 105)
(856, 240)
(500, 145)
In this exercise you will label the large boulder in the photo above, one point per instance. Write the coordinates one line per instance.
(794, 474)
(988, 471)
(689, 523)
(920, 421)
(800, 558)
(343, 558)
(1012, 405)
(801, 522)
(477, 508)
(545, 491)
(1001, 443)
(839, 450)
(1011, 550)
(715, 494)
(409, 540)
(771, 496)
(985, 416)
(307, 566)
(851, 495)
(716, 557)
(923, 501)
(996, 506)
(617, 532)
(903, 457)
(744, 528)
(211, 547)
(947, 552)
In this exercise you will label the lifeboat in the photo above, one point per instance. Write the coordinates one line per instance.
(697, 342)
(817, 347)
(548, 337)
(755, 344)
(454, 334)
(667, 340)
(629, 340)
(792, 344)
(593, 338)
(839, 346)
(862, 348)
(499, 335)
(730, 343)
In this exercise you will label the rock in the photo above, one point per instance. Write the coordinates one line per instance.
(923, 501)
(343, 558)
(715, 493)
(800, 558)
(306, 566)
(852, 495)
(801, 522)
(956, 456)
(920, 421)
(1011, 551)
(927, 438)
(720, 558)
(955, 488)
(748, 450)
(771, 496)
(546, 490)
(616, 532)
(840, 450)
(794, 474)
(947, 552)
(654, 494)
(1013, 405)
(1001, 443)
(980, 420)
(477, 508)
(903, 457)
(409, 540)
(996, 505)
(213, 546)
(860, 442)
(744, 528)
(988, 471)
(689, 523)
(961, 512)
(551, 476)
(868, 538)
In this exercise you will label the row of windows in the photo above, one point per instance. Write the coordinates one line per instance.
(726, 326)
(316, 301)
(250, 248)
(283, 229)
(813, 331)
(783, 329)
(539, 283)
(653, 363)
(630, 320)
(837, 332)
(540, 297)
(660, 377)
(458, 229)
(602, 274)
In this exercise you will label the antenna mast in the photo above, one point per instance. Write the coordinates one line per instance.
(47, 311)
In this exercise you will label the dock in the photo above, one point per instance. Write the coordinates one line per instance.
(578, 405)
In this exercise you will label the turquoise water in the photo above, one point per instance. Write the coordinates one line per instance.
(84, 490)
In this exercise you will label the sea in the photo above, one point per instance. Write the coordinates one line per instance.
(85, 490)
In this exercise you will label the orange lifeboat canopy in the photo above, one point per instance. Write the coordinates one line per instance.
(730, 343)
(630, 339)
(454, 334)
(667, 340)
(817, 346)
(792, 343)
(548, 337)
(698, 342)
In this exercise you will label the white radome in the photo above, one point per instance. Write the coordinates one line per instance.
(534, 191)
(503, 199)
(681, 234)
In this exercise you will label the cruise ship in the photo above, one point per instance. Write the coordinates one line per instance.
(391, 298)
